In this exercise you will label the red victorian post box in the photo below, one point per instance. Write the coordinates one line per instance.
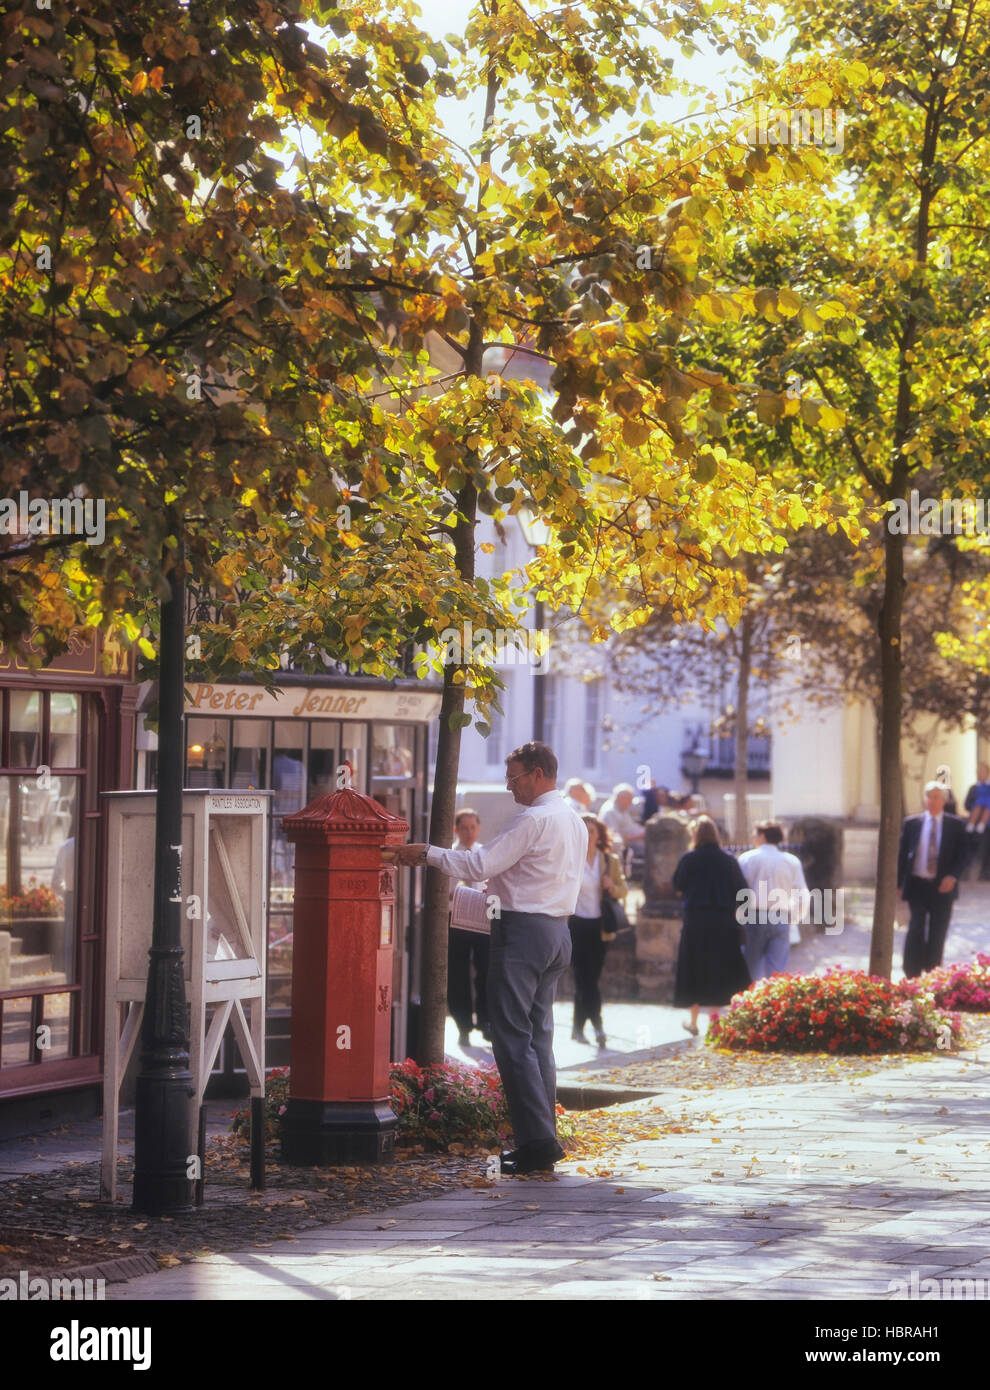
(342, 929)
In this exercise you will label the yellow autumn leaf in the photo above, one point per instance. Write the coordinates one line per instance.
(138, 83)
(830, 418)
(788, 302)
(857, 74)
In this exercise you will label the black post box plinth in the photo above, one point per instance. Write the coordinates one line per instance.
(319, 1133)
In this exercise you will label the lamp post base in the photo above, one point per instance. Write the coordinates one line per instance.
(161, 1164)
(327, 1132)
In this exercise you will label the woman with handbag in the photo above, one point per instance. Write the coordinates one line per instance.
(598, 915)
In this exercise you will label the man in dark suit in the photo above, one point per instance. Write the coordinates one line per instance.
(930, 862)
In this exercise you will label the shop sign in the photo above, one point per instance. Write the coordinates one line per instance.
(312, 702)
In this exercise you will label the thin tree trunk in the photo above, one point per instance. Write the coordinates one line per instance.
(436, 897)
(891, 678)
(741, 777)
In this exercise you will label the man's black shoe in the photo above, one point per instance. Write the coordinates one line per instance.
(538, 1157)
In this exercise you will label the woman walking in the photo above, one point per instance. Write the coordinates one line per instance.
(710, 963)
(602, 874)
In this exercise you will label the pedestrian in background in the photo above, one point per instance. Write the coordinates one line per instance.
(931, 858)
(710, 964)
(601, 874)
(767, 869)
(578, 795)
(467, 951)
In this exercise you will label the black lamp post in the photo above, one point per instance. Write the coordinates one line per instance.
(693, 764)
(162, 1182)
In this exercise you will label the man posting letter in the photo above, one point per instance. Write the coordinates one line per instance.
(930, 860)
(534, 869)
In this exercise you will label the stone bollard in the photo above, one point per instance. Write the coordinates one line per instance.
(658, 922)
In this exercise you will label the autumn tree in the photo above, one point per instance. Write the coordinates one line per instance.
(229, 243)
(577, 230)
(874, 296)
(169, 346)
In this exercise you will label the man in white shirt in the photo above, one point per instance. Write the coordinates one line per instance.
(579, 795)
(617, 813)
(777, 880)
(534, 868)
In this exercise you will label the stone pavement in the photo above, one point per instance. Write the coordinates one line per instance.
(833, 1190)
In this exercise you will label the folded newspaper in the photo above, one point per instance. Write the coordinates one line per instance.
(469, 910)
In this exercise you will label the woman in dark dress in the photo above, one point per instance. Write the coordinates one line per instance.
(710, 963)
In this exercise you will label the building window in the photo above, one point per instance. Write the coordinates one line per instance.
(494, 741)
(551, 709)
(47, 841)
(592, 722)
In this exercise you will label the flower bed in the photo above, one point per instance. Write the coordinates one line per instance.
(842, 1011)
(437, 1106)
(965, 987)
(449, 1104)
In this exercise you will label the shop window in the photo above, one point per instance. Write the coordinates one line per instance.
(289, 786)
(25, 728)
(393, 754)
(54, 1040)
(46, 882)
(206, 752)
(324, 757)
(393, 764)
(15, 1036)
(353, 750)
(38, 888)
(64, 719)
(249, 754)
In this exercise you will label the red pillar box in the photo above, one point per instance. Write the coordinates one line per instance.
(342, 928)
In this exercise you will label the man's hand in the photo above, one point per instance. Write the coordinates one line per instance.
(947, 884)
(405, 854)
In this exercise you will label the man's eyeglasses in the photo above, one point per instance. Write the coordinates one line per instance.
(515, 777)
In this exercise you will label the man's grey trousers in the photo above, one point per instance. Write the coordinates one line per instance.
(529, 953)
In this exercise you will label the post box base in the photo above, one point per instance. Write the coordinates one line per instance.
(318, 1132)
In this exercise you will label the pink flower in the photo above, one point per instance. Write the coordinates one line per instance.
(428, 1095)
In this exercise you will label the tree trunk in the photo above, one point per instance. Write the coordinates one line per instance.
(436, 897)
(891, 676)
(741, 778)
(891, 612)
